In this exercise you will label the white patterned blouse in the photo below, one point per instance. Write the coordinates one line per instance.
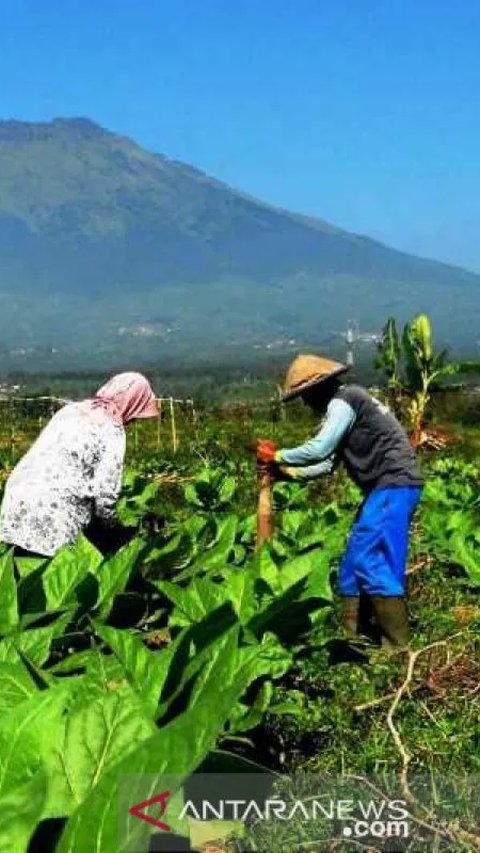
(72, 472)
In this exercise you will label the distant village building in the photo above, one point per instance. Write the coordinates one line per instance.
(352, 336)
(7, 390)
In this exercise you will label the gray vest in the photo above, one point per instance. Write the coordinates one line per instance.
(376, 451)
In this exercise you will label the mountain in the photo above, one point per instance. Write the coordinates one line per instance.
(108, 251)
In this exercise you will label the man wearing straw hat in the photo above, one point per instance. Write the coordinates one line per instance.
(362, 433)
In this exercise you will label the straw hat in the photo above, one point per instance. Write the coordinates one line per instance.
(309, 370)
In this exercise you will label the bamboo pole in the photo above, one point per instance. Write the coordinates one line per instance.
(12, 429)
(173, 425)
(159, 421)
(264, 506)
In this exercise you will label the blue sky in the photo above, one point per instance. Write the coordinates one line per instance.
(363, 112)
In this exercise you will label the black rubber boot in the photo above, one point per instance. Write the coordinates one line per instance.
(392, 618)
(349, 614)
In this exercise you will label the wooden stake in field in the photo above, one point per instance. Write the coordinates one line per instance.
(174, 429)
(265, 505)
(159, 423)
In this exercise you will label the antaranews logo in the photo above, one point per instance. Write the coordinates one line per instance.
(139, 810)
(361, 819)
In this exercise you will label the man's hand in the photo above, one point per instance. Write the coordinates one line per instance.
(284, 472)
(266, 451)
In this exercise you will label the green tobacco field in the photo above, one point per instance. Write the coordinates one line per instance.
(179, 648)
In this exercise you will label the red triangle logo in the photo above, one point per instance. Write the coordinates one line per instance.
(137, 811)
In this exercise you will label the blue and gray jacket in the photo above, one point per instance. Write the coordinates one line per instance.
(363, 434)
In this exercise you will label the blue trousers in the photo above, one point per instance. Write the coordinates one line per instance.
(376, 556)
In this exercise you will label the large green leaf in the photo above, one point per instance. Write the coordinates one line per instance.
(172, 753)
(264, 567)
(289, 496)
(104, 675)
(251, 662)
(8, 594)
(293, 522)
(240, 584)
(247, 529)
(318, 576)
(27, 565)
(202, 530)
(211, 490)
(28, 731)
(299, 583)
(216, 556)
(268, 657)
(92, 739)
(219, 554)
(305, 566)
(21, 809)
(209, 655)
(227, 490)
(31, 595)
(389, 353)
(138, 500)
(422, 328)
(67, 570)
(16, 685)
(146, 671)
(76, 661)
(35, 644)
(194, 650)
(247, 717)
(171, 557)
(201, 597)
(466, 552)
(113, 574)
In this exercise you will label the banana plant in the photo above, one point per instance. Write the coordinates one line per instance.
(424, 367)
(389, 356)
(412, 368)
